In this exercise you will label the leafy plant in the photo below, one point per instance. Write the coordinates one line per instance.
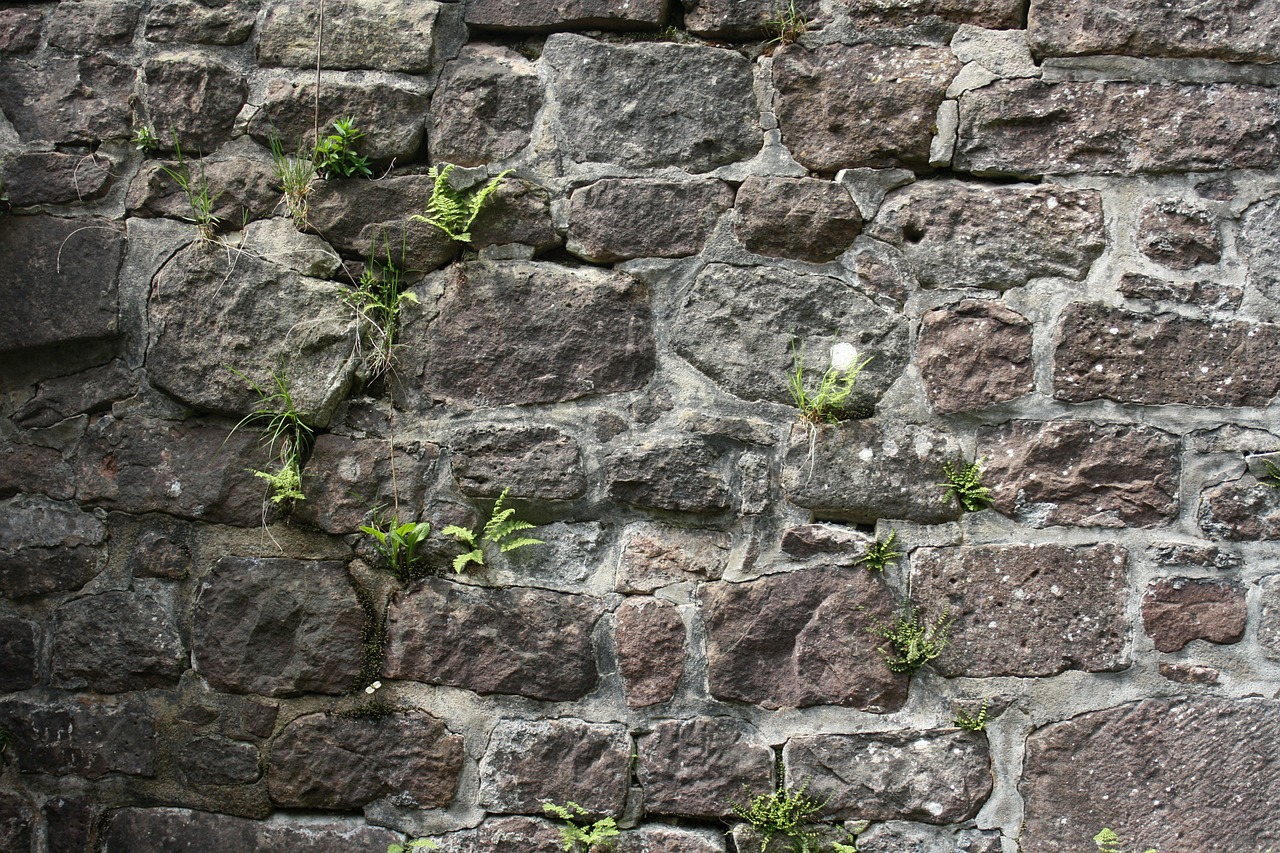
(335, 155)
(972, 722)
(285, 483)
(783, 812)
(6, 739)
(295, 175)
(501, 524)
(144, 139)
(1109, 842)
(912, 642)
(377, 300)
(200, 198)
(1272, 477)
(283, 431)
(577, 838)
(880, 554)
(787, 23)
(827, 403)
(964, 483)
(398, 543)
(453, 211)
(415, 844)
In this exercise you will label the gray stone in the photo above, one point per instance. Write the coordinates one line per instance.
(1127, 767)
(1259, 245)
(697, 767)
(934, 777)
(869, 186)
(518, 212)
(835, 544)
(378, 35)
(540, 643)
(116, 641)
(18, 664)
(974, 354)
(20, 29)
(566, 14)
(654, 555)
(484, 106)
(497, 835)
(279, 240)
(34, 470)
(195, 97)
(739, 19)
(617, 219)
(277, 627)
(844, 106)
(800, 638)
(332, 762)
(892, 836)
(170, 830)
(1233, 438)
(684, 476)
(666, 89)
(1204, 294)
(1176, 554)
(997, 14)
(46, 546)
(1178, 235)
(345, 478)
(50, 177)
(1242, 510)
(84, 26)
(655, 838)
(528, 763)
(89, 736)
(1070, 472)
(60, 397)
(77, 99)
(532, 461)
(1155, 359)
(193, 22)
(244, 186)
(882, 271)
(217, 760)
(1003, 51)
(1176, 611)
(17, 823)
(956, 234)
(649, 636)
(371, 219)
(1027, 610)
(798, 218)
(1269, 617)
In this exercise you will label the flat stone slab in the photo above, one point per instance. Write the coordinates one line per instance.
(974, 354)
(656, 555)
(79, 99)
(410, 36)
(1258, 240)
(532, 461)
(687, 475)
(994, 14)
(531, 762)
(172, 830)
(616, 219)
(697, 767)
(89, 736)
(543, 15)
(1176, 611)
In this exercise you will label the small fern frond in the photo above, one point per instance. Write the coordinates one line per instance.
(520, 543)
(462, 534)
(461, 561)
(506, 528)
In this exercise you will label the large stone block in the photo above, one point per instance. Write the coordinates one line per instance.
(533, 461)
(1269, 617)
(799, 218)
(566, 14)
(974, 354)
(46, 546)
(501, 834)
(377, 35)
(697, 767)
(1242, 510)
(86, 26)
(656, 838)
(994, 14)
(616, 219)
(217, 760)
(245, 188)
(82, 736)
(371, 219)
(18, 664)
(484, 106)
(528, 763)
(1176, 611)
(654, 556)
(738, 19)
(345, 478)
(77, 99)
(17, 823)
(51, 177)
(194, 97)
(650, 638)
(116, 641)
(683, 476)
(29, 469)
(168, 830)
(193, 22)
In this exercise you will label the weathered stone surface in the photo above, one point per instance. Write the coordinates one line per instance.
(866, 470)
(540, 642)
(996, 14)
(116, 641)
(46, 546)
(620, 218)
(1269, 617)
(738, 325)
(1180, 554)
(87, 392)
(956, 234)
(518, 212)
(85, 736)
(1128, 767)
(1178, 235)
(834, 544)
(167, 830)
(78, 99)
(75, 262)
(484, 106)
(83, 26)
(1242, 510)
(194, 96)
(68, 823)
(332, 762)
(532, 461)
(1027, 610)
(20, 29)
(18, 665)
(279, 239)
(34, 470)
(974, 354)
(655, 555)
(650, 639)
(193, 22)
(1185, 673)
(379, 35)
(666, 89)
(697, 767)
(844, 106)
(1163, 358)
(217, 760)
(799, 218)
(1025, 127)
(934, 777)
(245, 186)
(496, 835)
(49, 177)
(811, 647)
(1176, 611)
(1202, 293)
(277, 627)
(566, 14)
(346, 477)
(1259, 244)
(667, 839)
(685, 476)
(737, 19)
(17, 823)
(528, 763)
(1046, 473)
(372, 219)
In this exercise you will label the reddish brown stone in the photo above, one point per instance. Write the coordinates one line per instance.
(49, 177)
(168, 830)
(17, 823)
(668, 839)
(497, 835)
(1176, 611)
(345, 478)
(737, 19)
(518, 212)
(30, 469)
(1269, 618)
(1206, 294)
(195, 97)
(654, 556)
(217, 760)
(529, 763)
(20, 28)
(245, 187)
(799, 218)
(1178, 235)
(1185, 673)
(84, 26)
(650, 639)
(46, 546)
(832, 543)
(616, 219)
(1201, 557)
(1243, 510)
(78, 99)
(974, 354)
(697, 767)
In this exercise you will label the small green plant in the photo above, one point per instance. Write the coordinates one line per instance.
(964, 483)
(786, 24)
(144, 139)
(972, 722)
(1272, 477)
(398, 543)
(335, 155)
(295, 176)
(1109, 842)
(784, 813)
(6, 740)
(453, 211)
(912, 642)
(577, 838)
(415, 844)
(285, 483)
(200, 198)
(377, 299)
(826, 404)
(501, 524)
(880, 554)
(284, 432)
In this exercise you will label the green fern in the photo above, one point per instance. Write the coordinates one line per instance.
(1272, 477)
(783, 812)
(964, 483)
(454, 211)
(1109, 842)
(575, 838)
(973, 722)
(912, 642)
(501, 524)
(880, 554)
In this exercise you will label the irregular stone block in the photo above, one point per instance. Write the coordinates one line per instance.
(20, 29)
(18, 665)
(799, 639)
(1155, 359)
(843, 106)
(217, 760)
(665, 88)
(684, 476)
(528, 763)
(834, 544)
(534, 462)
(378, 35)
(1128, 767)
(935, 777)
(1269, 617)
(650, 639)
(616, 219)
(245, 186)
(116, 641)
(484, 106)
(1047, 473)
(168, 830)
(540, 643)
(738, 19)
(371, 219)
(69, 823)
(34, 470)
(974, 354)
(277, 627)
(526, 834)
(1205, 294)
(798, 218)
(1179, 554)
(331, 762)
(58, 398)
(1027, 610)
(84, 26)
(654, 556)
(1189, 673)
(995, 14)
(566, 14)
(49, 177)
(667, 839)
(87, 736)
(46, 546)
(697, 767)
(192, 22)
(1243, 510)
(1259, 245)
(518, 212)
(1178, 235)
(1025, 127)
(956, 234)
(1176, 611)
(78, 99)
(17, 823)
(345, 478)
(194, 96)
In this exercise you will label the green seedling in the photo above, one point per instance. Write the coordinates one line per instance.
(501, 524)
(398, 543)
(415, 844)
(144, 139)
(1272, 477)
(378, 299)
(786, 24)
(1109, 842)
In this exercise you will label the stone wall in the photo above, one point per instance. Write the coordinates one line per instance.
(1053, 228)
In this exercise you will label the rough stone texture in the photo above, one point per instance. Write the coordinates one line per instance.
(957, 234)
(996, 14)
(935, 777)
(1178, 235)
(248, 189)
(526, 834)
(666, 839)
(616, 219)
(48, 177)
(116, 641)
(738, 325)
(1025, 127)
(1269, 617)
(68, 823)
(1243, 510)
(653, 556)
(484, 107)
(1128, 766)
(88, 392)
(518, 212)
(83, 736)
(798, 218)
(528, 763)
(371, 218)
(18, 664)
(1259, 244)
(20, 29)
(90, 25)
(331, 762)
(835, 544)
(1027, 610)
(34, 470)
(566, 14)
(689, 107)
(737, 19)
(688, 476)
(380, 35)
(1176, 611)
(195, 95)
(1177, 554)
(17, 824)
(78, 99)
(799, 639)
(46, 546)
(844, 106)
(169, 830)
(1082, 473)
(216, 760)
(1163, 358)
(974, 354)
(696, 767)
(540, 643)
(346, 477)
(867, 470)
(650, 639)
(1206, 294)
(193, 22)
(532, 461)
(277, 627)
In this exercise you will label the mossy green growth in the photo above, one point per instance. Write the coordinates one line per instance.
(972, 722)
(1109, 842)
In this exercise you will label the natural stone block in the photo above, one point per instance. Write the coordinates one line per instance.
(1027, 610)
(82, 736)
(1176, 554)
(684, 476)
(484, 106)
(566, 14)
(245, 187)
(650, 639)
(85, 26)
(193, 22)
(46, 546)
(654, 555)
(50, 177)
(528, 763)
(331, 762)
(800, 638)
(378, 35)
(697, 767)
(1259, 245)
(665, 88)
(494, 835)
(668, 839)
(833, 544)
(168, 830)
(277, 627)
(1176, 611)
(371, 219)
(1205, 294)
(1157, 359)
(798, 218)
(1242, 510)
(738, 19)
(116, 641)
(1178, 235)
(1047, 473)
(20, 29)
(69, 823)
(996, 14)
(17, 823)
(957, 234)
(347, 477)
(533, 462)
(60, 397)
(34, 470)
(616, 219)
(1269, 617)
(1185, 673)
(844, 106)
(195, 97)
(78, 99)
(935, 777)
(217, 760)
(18, 664)
(540, 643)
(974, 354)
(518, 212)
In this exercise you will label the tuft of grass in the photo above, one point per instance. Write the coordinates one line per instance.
(964, 483)
(500, 525)
(377, 300)
(578, 838)
(283, 431)
(295, 176)
(454, 211)
(786, 24)
(784, 813)
(200, 198)
(911, 641)
(880, 554)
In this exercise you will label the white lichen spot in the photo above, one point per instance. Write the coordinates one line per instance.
(866, 454)
(175, 489)
(1113, 330)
